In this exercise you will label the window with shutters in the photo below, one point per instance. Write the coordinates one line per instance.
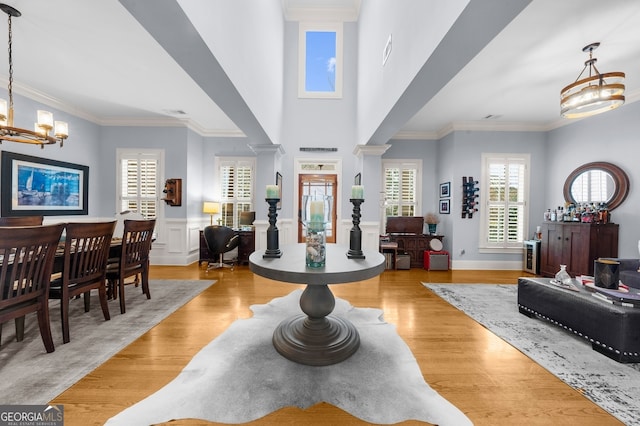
(138, 181)
(503, 197)
(402, 187)
(236, 188)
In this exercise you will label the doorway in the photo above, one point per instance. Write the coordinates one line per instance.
(320, 184)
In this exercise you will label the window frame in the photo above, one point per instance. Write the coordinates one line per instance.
(138, 154)
(507, 158)
(403, 164)
(235, 162)
(303, 29)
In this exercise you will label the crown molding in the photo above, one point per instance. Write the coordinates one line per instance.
(296, 11)
(378, 150)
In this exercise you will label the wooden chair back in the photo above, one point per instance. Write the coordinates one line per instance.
(134, 259)
(26, 261)
(86, 251)
(21, 220)
(136, 245)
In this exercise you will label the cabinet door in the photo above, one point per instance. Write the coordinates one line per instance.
(575, 249)
(551, 249)
(607, 241)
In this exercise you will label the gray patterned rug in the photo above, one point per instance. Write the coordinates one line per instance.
(240, 377)
(613, 386)
(29, 375)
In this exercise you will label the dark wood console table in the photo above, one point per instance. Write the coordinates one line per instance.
(414, 245)
(245, 248)
(316, 337)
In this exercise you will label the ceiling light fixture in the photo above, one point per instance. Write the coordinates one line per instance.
(40, 135)
(594, 94)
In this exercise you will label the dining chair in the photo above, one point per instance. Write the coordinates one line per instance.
(21, 220)
(134, 259)
(26, 261)
(86, 251)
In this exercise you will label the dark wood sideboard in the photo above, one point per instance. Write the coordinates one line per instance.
(246, 246)
(576, 245)
(406, 231)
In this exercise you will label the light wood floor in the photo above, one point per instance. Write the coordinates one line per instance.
(490, 381)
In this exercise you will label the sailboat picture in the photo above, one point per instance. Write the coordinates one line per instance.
(41, 186)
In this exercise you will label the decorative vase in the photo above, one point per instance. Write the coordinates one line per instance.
(562, 276)
(316, 213)
(316, 250)
(432, 228)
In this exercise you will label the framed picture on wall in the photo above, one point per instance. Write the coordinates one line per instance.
(445, 206)
(279, 184)
(445, 190)
(34, 186)
(358, 179)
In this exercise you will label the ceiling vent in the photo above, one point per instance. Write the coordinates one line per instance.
(311, 149)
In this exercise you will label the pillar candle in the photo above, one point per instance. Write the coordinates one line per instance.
(272, 191)
(316, 211)
(357, 192)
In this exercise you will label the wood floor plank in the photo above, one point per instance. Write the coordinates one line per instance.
(489, 380)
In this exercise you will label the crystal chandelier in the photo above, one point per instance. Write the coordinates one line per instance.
(594, 94)
(41, 133)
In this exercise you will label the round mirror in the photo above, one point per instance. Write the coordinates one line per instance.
(598, 182)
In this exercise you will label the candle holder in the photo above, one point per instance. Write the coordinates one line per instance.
(272, 251)
(316, 213)
(355, 236)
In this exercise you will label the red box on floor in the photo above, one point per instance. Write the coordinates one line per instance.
(436, 260)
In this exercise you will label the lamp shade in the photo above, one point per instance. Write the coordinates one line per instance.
(211, 207)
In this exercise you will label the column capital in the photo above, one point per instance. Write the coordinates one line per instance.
(378, 150)
(267, 148)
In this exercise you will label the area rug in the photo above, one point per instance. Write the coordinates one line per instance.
(613, 386)
(239, 376)
(29, 375)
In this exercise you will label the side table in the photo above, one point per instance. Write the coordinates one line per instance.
(316, 338)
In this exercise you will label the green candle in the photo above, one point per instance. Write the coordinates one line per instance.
(272, 191)
(316, 211)
(357, 192)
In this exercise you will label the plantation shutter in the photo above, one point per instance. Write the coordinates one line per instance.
(236, 189)
(401, 188)
(139, 184)
(505, 193)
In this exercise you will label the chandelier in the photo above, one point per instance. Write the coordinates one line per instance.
(41, 133)
(594, 94)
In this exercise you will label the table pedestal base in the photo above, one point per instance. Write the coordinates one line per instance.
(316, 338)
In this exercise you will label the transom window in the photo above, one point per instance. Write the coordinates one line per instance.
(320, 61)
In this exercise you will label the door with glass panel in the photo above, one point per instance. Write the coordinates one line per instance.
(318, 184)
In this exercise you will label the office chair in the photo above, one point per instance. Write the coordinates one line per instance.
(220, 240)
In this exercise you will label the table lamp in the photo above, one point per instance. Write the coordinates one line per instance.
(211, 207)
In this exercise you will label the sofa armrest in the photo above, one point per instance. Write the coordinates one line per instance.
(629, 264)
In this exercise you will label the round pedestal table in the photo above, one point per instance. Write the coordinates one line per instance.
(316, 337)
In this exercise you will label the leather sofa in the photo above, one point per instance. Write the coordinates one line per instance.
(629, 272)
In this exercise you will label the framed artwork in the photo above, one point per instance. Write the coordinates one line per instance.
(279, 184)
(39, 186)
(358, 179)
(445, 206)
(445, 190)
